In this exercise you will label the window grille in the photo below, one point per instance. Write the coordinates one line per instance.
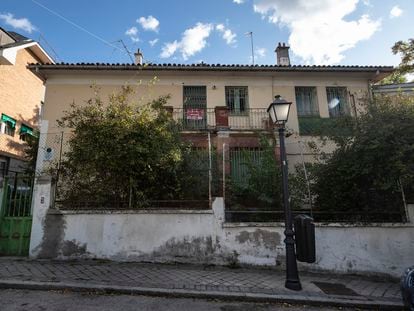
(241, 160)
(195, 96)
(237, 99)
(337, 101)
(195, 107)
(306, 101)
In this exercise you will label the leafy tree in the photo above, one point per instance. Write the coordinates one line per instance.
(406, 50)
(121, 153)
(364, 172)
(30, 150)
(394, 78)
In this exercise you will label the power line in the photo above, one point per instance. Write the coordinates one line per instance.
(76, 25)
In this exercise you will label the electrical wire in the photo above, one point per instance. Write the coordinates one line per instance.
(76, 25)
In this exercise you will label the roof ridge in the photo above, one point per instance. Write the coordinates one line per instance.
(203, 65)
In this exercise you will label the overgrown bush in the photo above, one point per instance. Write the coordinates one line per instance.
(124, 153)
(261, 186)
(364, 173)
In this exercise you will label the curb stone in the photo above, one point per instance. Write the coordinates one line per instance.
(227, 296)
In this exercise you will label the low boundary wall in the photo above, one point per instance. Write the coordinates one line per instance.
(203, 237)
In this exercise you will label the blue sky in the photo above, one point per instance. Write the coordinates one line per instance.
(189, 31)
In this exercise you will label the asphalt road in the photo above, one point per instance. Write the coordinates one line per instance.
(28, 300)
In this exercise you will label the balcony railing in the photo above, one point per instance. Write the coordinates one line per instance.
(251, 119)
(195, 118)
(220, 117)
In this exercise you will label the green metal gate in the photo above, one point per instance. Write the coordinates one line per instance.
(16, 216)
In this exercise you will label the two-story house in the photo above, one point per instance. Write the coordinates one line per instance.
(227, 101)
(21, 95)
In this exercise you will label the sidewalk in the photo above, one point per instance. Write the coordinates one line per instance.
(197, 281)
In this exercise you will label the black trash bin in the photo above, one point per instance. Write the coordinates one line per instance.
(305, 238)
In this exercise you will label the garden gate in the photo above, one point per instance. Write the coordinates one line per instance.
(16, 215)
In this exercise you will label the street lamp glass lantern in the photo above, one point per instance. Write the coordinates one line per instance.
(279, 110)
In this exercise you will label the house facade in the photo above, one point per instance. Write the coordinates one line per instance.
(21, 95)
(227, 101)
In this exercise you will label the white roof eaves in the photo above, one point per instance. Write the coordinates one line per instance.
(8, 54)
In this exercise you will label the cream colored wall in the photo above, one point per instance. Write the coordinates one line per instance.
(21, 93)
(5, 38)
(297, 146)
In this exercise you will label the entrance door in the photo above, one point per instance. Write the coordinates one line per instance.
(16, 216)
(195, 107)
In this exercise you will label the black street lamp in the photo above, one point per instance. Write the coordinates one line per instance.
(279, 113)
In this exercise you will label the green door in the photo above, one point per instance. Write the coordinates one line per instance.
(16, 216)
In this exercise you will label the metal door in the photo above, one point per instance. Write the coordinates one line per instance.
(16, 216)
(195, 107)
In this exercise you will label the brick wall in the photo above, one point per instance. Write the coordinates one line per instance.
(21, 93)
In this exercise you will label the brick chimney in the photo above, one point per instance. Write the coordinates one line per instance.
(139, 57)
(282, 54)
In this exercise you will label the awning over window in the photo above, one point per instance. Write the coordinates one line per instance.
(24, 129)
(6, 118)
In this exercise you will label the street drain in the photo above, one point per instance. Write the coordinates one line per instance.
(335, 289)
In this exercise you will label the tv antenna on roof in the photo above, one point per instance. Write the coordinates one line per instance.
(126, 49)
(250, 33)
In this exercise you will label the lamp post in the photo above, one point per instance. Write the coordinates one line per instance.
(279, 113)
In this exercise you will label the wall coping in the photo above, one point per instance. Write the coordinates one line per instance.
(319, 225)
(136, 211)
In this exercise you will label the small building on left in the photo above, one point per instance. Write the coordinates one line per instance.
(21, 96)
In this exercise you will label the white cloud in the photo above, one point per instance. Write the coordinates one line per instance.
(169, 49)
(238, 1)
(193, 40)
(367, 3)
(227, 34)
(153, 42)
(149, 23)
(260, 52)
(132, 33)
(395, 12)
(319, 32)
(17, 23)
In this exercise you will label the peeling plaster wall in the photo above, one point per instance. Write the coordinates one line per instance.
(161, 236)
(377, 249)
(202, 237)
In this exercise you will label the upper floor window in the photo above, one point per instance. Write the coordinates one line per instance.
(8, 125)
(195, 107)
(306, 101)
(195, 96)
(237, 99)
(337, 101)
(25, 131)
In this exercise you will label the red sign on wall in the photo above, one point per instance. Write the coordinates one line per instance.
(194, 114)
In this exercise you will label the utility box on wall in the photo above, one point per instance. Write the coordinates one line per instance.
(305, 239)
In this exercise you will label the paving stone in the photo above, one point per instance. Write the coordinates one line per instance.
(197, 278)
